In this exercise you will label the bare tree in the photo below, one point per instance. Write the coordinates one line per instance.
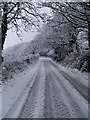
(18, 15)
(0, 38)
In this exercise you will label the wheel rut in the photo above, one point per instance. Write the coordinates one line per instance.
(28, 109)
(48, 112)
(69, 99)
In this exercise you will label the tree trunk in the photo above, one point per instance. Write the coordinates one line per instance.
(89, 46)
(87, 10)
(0, 37)
(89, 34)
(4, 23)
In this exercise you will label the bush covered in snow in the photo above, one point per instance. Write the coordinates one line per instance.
(16, 59)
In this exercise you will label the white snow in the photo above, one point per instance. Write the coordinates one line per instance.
(74, 73)
(45, 59)
(17, 53)
(40, 99)
(13, 88)
(15, 91)
(82, 103)
(23, 100)
(83, 78)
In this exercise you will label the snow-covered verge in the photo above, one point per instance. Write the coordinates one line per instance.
(75, 73)
(15, 88)
(79, 73)
(82, 77)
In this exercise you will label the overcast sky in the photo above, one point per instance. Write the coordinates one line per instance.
(12, 38)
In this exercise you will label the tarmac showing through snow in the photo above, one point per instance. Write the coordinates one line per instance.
(46, 91)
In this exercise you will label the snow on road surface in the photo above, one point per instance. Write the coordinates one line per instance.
(45, 91)
(15, 88)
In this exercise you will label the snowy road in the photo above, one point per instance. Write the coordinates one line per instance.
(51, 92)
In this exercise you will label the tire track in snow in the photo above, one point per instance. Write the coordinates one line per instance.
(55, 106)
(71, 98)
(48, 112)
(52, 95)
(60, 110)
(18, 100)
(83, 90)
(34, 105)
(28, 109)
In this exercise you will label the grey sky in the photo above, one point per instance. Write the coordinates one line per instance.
(12, 38)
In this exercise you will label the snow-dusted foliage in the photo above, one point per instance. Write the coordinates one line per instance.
(58, 38)
(18, 53)
(17, 59)
(82, 40)
(69, 42)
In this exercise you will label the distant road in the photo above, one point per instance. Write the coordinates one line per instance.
(55, 94)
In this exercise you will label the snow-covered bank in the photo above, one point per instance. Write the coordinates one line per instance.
(13, 88)
(75, 74)
(82, 77)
